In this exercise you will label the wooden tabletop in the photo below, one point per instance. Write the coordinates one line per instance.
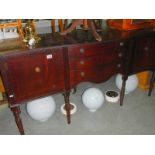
(75, 37)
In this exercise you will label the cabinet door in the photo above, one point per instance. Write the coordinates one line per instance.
(35, 73)
(144, 55)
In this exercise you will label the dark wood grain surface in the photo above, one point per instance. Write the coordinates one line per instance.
(59, 63)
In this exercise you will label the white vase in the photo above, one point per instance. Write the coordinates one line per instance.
(41, 109)
(131, 83)
(93, 99)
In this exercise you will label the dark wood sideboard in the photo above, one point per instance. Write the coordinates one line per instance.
(59, 63)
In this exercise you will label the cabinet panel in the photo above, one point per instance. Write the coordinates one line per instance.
(34, 74)
(144, 55)
(97, 75)
(88, 50)
(92, 62)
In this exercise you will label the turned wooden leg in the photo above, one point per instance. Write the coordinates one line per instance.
(124, 78)
(152, 80)
(67, 106)
(16, 112)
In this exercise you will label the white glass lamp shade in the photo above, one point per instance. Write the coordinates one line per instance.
(131, 83)
(93, 99)
(41, 109)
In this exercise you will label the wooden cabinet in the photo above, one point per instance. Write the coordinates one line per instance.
(60, 63)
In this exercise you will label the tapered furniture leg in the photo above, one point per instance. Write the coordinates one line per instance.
(67, 107)
(16, 112)
(152, 80)
(124, 78)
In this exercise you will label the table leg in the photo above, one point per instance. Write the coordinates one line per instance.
(16, 112)
(67, 106)
(124, 78)
(152, 80)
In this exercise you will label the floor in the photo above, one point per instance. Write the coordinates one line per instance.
(136, 116)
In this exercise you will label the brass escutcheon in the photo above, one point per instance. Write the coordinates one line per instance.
(82, 50)
(37, 69)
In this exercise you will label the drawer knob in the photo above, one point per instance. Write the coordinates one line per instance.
(37, 70)
(82, 74)
(11, 96)
(118, 65)
(146, 48)
(120, 55)
(121, 43)
(81, 62)
(82, 50)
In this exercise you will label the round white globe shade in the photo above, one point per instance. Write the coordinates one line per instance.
(41, 109)
(131, 83)
(93, 99)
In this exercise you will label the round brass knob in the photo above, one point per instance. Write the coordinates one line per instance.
(81, 62)
(118, 65)
(121, 43)
(120, 55)
(146, 48)
(37, 70)
(82, 74)
(82, 50)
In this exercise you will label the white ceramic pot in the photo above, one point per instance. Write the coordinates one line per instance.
(72, 111)
(93, 99)
(41, 109)
(112, 96)
(131, 83)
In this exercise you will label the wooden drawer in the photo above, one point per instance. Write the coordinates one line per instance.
(88, 50)
(34, 74)
(94, 61)
(96, 75)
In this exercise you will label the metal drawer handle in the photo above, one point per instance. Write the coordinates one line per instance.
(81, 62)
(82, 50)
(82, 74)
(119, 65)
(146, 48)
(37, 69)
(121, 43)
(120, 55)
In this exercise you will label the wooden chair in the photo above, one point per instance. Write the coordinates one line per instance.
(87, 23)
(62, 23)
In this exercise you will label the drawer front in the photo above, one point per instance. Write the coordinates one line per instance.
(35, 74)
(96, 75)
(144, 56)
(88, 50)
(94, 61)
